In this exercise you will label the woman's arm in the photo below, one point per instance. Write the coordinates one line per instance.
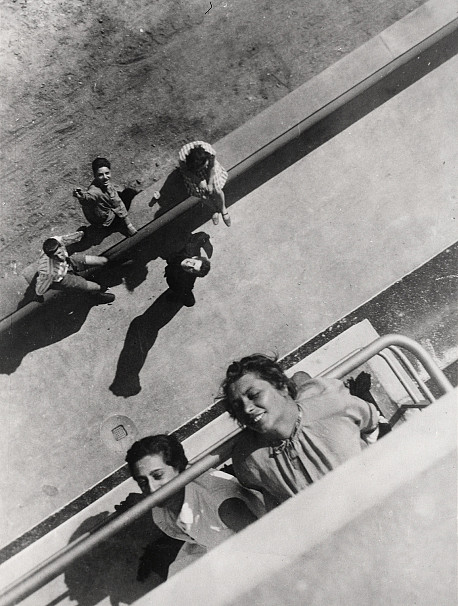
(211, 174)
(235, 514)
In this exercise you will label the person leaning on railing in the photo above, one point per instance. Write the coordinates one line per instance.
(205, 513)
(295, 431)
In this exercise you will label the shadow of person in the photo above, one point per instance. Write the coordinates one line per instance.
(140, 338)
(172, 192)
(110, 569)
(136, 275)
(55, 320)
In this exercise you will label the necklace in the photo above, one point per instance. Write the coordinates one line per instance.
(287, 445)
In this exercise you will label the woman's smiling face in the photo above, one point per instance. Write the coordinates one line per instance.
(257, 404)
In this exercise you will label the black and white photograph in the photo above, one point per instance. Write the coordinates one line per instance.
(228, 302)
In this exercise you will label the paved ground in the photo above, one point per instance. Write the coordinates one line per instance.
(374, 203)
(134, 79)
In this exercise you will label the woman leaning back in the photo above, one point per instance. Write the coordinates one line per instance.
(296, 431)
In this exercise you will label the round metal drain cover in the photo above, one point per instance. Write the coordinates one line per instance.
(118, 433)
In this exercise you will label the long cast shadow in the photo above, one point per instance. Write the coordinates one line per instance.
(54, 320)
(65, 314)
(58, 319)
(140, 338)
(172, 192)
(110, 569)
(124, 567)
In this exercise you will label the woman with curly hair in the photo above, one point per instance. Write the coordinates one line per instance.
(296, 429)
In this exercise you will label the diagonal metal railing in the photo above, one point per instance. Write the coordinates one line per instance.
(214, 456)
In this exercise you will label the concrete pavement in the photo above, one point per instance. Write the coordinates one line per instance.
(305, 248)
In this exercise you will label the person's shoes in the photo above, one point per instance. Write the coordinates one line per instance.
(103, 298)
(227, 219)
(215, 218)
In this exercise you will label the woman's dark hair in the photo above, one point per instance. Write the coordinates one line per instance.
(168, 446)
(98, 163)
(264, 367)
(196, 158)
(50, 246)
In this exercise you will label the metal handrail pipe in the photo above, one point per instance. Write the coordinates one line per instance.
(384, 342)
(56, 564)
(348, 356)
(409, 390)
(415, 375)
(242, 165)
(52, 567)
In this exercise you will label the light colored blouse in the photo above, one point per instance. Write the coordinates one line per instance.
(330, 429)
(198, 523)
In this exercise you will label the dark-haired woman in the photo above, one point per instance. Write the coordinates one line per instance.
(204, 177)
(294, 435)
(205, 513)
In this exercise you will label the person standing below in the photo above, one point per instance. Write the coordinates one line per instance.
(101, 203)
(296, 431)
(204, 177)
(58, 270)
(185, 266)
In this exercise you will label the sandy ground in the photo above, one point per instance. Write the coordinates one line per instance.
(135, 79)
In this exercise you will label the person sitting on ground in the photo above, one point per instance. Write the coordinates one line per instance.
(185, 266)
(296, 431)
(59, 271)
(204, 177)
(205, 513)
(101, 203)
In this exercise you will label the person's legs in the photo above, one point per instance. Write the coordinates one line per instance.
(209, 202)
(73, 283)
(95, 261)
(77, 284)
(80, 261)
(219, 202)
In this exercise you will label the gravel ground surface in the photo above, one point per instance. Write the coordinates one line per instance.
(135, 79)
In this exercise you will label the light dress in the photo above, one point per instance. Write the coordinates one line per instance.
(198, 523)
(192, 184)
